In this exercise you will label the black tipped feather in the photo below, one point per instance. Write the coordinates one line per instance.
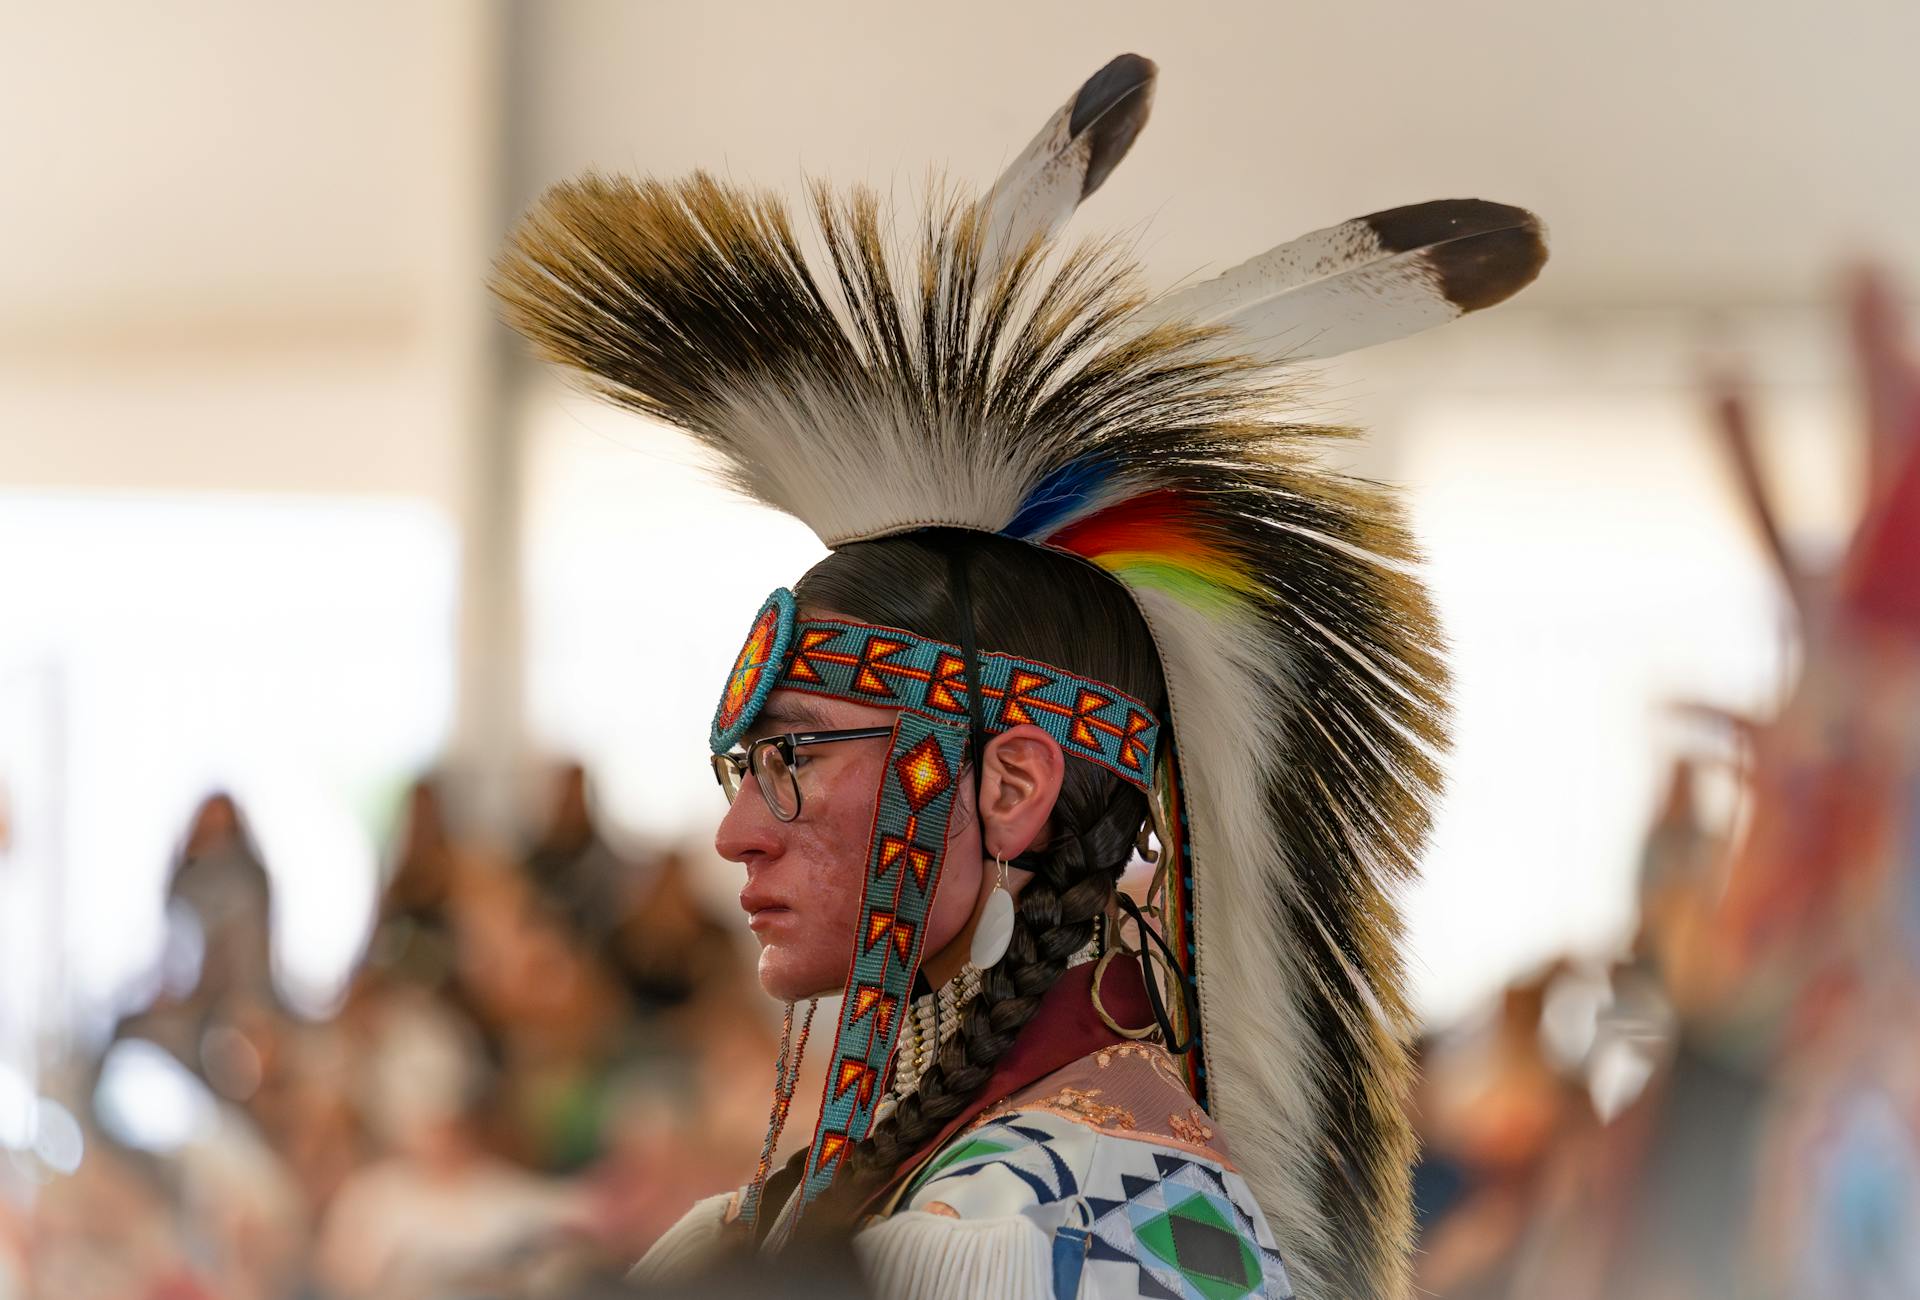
(1370, 280)
(1482, 253)
(1069, 159)
(1110, 110)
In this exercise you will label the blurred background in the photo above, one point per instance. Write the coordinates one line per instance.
(360, 931)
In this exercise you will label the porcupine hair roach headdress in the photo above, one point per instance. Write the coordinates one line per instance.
(988, 379)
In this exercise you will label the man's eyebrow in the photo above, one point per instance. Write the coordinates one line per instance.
(788, 715)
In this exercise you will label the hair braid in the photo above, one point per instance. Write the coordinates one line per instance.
(1074, 879)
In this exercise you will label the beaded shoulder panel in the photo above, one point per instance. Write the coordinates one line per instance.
(1129, 1182)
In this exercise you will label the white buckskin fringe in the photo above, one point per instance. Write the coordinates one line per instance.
(686, 1247)
(920, 1256)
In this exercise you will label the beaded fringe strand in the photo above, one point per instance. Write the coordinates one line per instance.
(785, 1078)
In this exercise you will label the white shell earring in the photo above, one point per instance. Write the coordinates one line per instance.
(994, 930)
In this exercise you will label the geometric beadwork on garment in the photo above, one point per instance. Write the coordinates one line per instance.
(1014, 1145)
(967, 1149)
(1196, 1238)
(1185, 1234)
(1158, 1223)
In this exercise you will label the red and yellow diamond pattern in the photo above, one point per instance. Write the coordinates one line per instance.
(923, 772)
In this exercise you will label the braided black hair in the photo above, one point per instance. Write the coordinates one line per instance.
(1059, 610)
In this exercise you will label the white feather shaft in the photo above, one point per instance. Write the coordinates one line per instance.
(1039, 190)
(1365, 281)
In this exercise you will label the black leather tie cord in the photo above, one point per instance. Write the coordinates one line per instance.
(957, 558)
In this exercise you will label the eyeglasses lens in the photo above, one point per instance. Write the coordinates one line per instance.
(776, 781)
(727, 774)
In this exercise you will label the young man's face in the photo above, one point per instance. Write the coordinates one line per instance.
(802, 892)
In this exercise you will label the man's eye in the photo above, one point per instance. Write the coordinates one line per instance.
(800, 759)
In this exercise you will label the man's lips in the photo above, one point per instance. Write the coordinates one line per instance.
(762, 908)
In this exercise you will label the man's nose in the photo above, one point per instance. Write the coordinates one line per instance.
(749, 830)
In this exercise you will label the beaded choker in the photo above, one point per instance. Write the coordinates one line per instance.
(931, 1021)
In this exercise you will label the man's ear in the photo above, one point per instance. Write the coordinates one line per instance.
(1019, 785)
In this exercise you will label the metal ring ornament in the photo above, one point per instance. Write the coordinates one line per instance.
(1100, 969)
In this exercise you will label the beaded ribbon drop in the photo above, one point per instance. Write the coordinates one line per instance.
(785, 1076)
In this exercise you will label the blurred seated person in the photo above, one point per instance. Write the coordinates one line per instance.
(571, 863)
(553, 1014)
(669, 948)
(212, 1003)
(1489, 1109)
(219, 1014)
(647, 923)
(413, 930)
(219, 905)
(436, 1214)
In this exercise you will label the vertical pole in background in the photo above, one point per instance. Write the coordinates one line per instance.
(486, 749)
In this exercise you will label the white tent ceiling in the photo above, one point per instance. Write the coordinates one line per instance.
(1718, 151)
(232, 157)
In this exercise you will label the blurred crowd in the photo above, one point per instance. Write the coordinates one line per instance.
(538, 1064)
(543, 1058)
(1733, 1107)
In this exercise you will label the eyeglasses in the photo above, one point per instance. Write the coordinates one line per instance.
(771, 760)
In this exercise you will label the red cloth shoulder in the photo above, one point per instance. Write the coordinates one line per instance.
(1063, 1030)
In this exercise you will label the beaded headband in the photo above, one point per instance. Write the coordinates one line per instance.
(927, 681)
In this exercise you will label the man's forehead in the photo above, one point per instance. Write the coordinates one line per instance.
(791, 710)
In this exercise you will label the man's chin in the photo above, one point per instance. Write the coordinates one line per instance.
(784, 984)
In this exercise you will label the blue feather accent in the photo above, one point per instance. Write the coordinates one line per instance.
(1058, 495)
